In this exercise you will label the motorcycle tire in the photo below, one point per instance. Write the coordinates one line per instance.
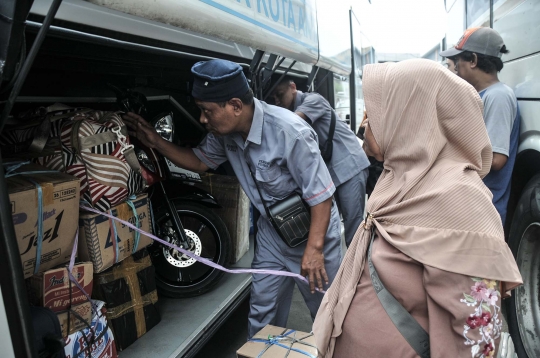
(178, 276)
(523, 307)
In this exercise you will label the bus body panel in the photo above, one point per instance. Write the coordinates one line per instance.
(288, 27)
(289, 30)
(523, 76)
(516, 27)
(88, 14)
(530, 130)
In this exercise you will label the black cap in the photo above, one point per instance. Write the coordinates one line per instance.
(218, 81)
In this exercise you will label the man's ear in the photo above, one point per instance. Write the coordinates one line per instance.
(293, 86)
(237, 105)
(474, 61)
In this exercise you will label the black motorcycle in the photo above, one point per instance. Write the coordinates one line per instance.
(181, 211)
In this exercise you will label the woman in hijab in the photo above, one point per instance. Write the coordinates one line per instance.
(438, 245)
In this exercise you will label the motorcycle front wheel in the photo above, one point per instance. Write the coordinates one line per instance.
(177, 275)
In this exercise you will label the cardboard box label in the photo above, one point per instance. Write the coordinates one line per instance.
(49, 235)
(54, 290)
(60, 216)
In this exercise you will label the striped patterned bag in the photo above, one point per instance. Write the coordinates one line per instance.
(96, 149)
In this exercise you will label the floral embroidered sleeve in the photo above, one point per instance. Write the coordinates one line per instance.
(484, 324)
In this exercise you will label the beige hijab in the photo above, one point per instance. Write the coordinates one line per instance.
(430, 201)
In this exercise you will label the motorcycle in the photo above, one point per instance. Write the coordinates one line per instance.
(181, 212)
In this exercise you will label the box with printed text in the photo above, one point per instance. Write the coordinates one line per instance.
(97, 234)
(60, 213)
(54, 290)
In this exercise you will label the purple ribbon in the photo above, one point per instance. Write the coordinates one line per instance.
(73, 279)
(202, 259)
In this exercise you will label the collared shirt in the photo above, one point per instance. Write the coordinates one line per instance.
(348, 157)
(283, 155)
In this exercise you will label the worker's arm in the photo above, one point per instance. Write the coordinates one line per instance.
(143, 131)
(499, 161)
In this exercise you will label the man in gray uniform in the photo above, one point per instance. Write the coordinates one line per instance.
(348, 165)
(282, 153)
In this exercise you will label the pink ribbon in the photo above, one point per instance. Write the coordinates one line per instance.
(198, 258)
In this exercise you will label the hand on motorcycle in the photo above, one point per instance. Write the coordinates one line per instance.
(313, 267)
(142, 130)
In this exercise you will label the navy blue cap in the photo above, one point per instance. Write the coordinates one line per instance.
(218, 81)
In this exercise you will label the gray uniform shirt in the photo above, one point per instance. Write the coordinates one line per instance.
(348, 157)
(282, 152)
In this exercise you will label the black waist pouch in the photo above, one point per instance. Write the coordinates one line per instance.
(291, 218)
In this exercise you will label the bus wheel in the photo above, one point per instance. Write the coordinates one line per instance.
(523, 308)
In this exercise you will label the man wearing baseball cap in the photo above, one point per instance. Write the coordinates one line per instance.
(477, 58)
(280, 151)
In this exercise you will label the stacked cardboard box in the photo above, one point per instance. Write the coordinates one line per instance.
(234, 209)
(292, 344)
(54, 290)
(129, 291)
(60, 205)
(96, 234)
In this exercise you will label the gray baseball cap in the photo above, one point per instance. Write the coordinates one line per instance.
(482, 40)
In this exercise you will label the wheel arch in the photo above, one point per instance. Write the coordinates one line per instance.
(527, 165)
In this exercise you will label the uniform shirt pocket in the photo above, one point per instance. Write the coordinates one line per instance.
(273, 182)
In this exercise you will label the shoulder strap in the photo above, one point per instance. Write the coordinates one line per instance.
(409, 328)
(332, 127)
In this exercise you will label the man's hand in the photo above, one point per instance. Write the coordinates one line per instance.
(142, 130)
(313, 259)
(313, 267)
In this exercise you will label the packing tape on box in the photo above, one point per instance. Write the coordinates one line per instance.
(128, 270)
(198, 258)
(281, 341)
(41, 193)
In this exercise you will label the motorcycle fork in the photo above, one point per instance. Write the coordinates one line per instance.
(177, 224)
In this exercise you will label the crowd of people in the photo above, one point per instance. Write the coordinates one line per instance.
(430, 250)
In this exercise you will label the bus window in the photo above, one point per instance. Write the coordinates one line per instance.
(503, 7)
(477, 13)
(342, 97)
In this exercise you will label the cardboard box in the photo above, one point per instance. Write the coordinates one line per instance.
(234, 209)
(254, 349)
(70, 323)
(95, 241)
(60, 215)
(54, 290)
(95, 343)
(129, 291)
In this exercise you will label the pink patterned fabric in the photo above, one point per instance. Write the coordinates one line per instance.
(430, 202)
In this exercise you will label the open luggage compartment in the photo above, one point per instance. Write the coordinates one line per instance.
(74, 69)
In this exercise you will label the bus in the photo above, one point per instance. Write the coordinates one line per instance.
(517, 22)
(151, 46)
